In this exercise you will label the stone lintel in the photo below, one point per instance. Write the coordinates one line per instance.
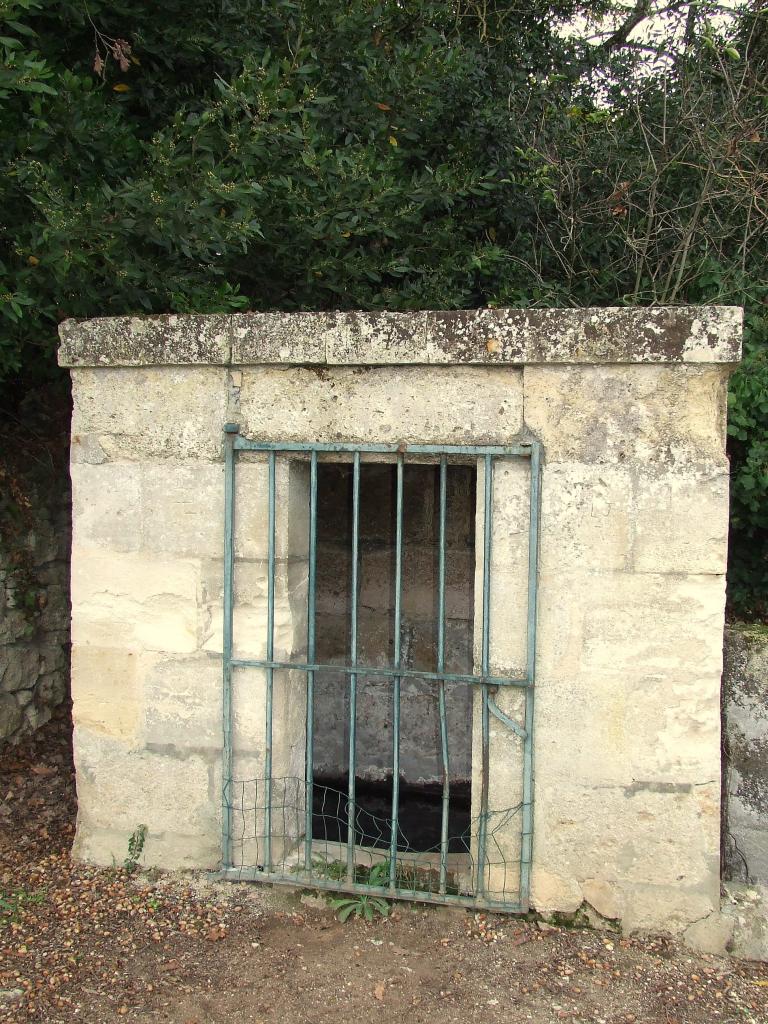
(662, 334)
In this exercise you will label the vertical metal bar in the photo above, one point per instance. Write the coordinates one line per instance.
(396, 679)
(270, 671)
(230, 431)
(310, 733)
(486, 634)
(352, 766)
(441, 668)
(526, 851)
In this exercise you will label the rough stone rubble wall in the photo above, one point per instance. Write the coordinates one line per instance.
(745, 762)
(34, 641)
(633, 546)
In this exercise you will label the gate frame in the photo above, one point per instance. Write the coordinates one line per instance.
(530, 449)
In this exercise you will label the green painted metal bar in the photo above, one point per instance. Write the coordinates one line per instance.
(230, 431)
(352, 767)
(441, 683)
(396, 681)
(310, 726)
(526, 852)
(244, 444)
(485, 669)
(270, 669)
(411, 895)
(505, 719)
(372, 670)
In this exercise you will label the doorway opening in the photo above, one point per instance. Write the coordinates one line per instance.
(421, 774)
(368, 619)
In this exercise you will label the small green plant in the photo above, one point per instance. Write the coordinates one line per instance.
(332, 869)
(135, 847)
(12, 903)
(360, 905)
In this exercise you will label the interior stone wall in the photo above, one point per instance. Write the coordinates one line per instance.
(629, 406)
(420, 727)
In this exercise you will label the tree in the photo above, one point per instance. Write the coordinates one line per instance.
(387, 154)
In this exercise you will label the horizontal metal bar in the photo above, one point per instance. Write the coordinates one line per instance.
(305, 880)
(243, 444)
(366, 670)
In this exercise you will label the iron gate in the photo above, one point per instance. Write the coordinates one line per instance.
(267, 820)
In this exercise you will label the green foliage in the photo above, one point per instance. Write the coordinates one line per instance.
(381, 154)
(12, 903)
(135, 848)
(366, 907)
(748, 443)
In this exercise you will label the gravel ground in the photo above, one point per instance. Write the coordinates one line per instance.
(99, 945)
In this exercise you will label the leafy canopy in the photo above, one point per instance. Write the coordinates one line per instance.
(388, 154)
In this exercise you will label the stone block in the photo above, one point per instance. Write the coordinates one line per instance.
(11, 715)
(600, 718)
(378, 338)
(135, 602)
(134, 414)
(604, 897)
(639, 624)
(643, 415)
(107, 691)
(106, 506)
(250, 581)
(19, 667)
(121, 786)
(145, 340)
(182, 509)
(680, 521)
(182, 705)
(608, 335)
(675, 728)
(746, 908)
(252, 508)
(650, 834)
(249, 630)
(167, 849)
(586, 518)
(553, 893)
(508, 583)
(381, 404)
(280, 337)
(665, 908)
(711, 935)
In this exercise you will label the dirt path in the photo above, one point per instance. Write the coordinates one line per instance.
(80, 944)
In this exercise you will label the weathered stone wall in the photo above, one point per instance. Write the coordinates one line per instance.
(630, 408)
(34, 616)
(745, 761)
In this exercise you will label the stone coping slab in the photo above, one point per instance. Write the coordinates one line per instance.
(662, 334)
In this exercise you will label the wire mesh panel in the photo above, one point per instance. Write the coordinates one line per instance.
(281, 825)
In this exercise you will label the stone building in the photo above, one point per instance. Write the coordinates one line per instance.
(497, 521)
